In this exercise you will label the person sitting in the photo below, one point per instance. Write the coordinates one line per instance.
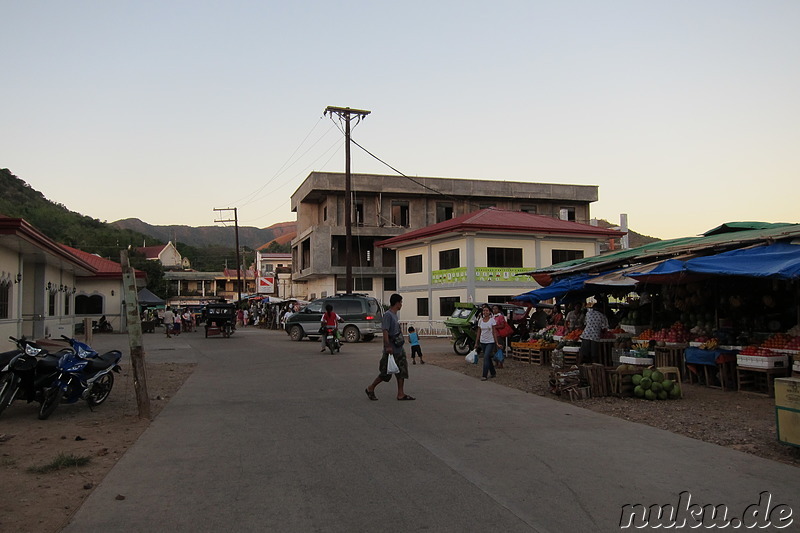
(329, 320)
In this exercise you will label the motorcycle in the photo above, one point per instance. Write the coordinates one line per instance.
(332, 340)
(80, 378)
(26, 372)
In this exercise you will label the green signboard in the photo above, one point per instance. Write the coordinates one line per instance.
(500, 275)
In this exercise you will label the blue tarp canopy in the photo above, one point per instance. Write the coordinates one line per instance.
(556, 290)
(779, 260)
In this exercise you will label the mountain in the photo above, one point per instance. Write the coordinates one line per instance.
(20, 200)
(203, 236)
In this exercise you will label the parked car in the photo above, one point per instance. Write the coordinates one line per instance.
(362, 317)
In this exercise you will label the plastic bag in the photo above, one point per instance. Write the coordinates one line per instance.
(472, 357)
(391, 365)
(499, 355)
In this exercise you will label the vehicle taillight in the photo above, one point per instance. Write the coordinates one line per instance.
(370, 317)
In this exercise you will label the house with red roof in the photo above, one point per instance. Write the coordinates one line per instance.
(166, 253)
(47, 288)
(483, 257)
(101, 293)
(38, 281)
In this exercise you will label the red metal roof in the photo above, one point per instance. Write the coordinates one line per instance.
(105, 268)
(151, 252)
(492, 220)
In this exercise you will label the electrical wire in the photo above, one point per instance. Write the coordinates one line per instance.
(409, 177)
(249, 198)
(333, 153)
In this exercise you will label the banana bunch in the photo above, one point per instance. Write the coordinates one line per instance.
(710, 344)
(640, 346)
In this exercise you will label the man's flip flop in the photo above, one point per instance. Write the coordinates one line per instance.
(406, 398)
(371, 395)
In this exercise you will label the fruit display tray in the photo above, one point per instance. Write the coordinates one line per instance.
(759, 361)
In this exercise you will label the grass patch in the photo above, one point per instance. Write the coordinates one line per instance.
(61, 462)
(8, 461)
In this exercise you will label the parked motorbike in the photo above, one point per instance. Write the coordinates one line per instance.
(80, 378)
(26, 371)
(332, 339)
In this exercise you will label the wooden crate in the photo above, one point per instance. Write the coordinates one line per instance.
(521, 354)
(596, 376)
(540, 357)
(621, 383)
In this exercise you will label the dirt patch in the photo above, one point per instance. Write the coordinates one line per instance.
(45, 502)
(742, 421)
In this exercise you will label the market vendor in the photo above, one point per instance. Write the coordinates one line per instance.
(575, 318)
(539, 319)
(595, 325)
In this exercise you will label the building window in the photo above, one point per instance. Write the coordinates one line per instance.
(444, 211)
(422, 307)
(504, 257)
(559, 256)
(498, 299)
(51, 304)
(528, 209)
(324, 212)
(89, 305)
(66, 304)
(447, 305)
(389, 258)
(359, 284)
(449, 259)
(567, 213)
(5, 299)
(390, 284)
(400, 214)
(358, 205)
(413, 264)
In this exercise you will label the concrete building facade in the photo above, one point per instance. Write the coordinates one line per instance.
(483, 257)
(388, 206)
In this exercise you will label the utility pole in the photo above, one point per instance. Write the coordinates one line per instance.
(238, 261)
(346, 113)
(135, 336)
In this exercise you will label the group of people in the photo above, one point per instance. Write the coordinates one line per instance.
(175, 322)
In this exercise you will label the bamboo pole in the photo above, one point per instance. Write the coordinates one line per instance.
(135, 336)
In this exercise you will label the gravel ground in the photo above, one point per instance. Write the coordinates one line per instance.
(738, 420)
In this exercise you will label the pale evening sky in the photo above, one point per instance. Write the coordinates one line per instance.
(685, 113)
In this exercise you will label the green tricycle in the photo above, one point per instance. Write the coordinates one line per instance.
(462, 323)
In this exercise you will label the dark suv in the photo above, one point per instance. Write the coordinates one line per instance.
(362, 317)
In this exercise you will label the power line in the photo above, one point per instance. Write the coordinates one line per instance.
(409, 177)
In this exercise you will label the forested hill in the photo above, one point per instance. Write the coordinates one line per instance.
(20, 200)
(207, 235)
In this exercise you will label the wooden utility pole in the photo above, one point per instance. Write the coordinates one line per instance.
(238, 260)
(131, 300)
(346, 114)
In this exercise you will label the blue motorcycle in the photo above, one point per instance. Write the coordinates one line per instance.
(82, 374)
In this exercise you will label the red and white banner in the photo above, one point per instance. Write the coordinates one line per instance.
(266, 285)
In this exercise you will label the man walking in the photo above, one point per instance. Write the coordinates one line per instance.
(392, 344)
(169, 320)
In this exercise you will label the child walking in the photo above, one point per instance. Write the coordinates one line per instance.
(416, 349)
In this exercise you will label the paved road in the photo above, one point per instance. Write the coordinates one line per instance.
(271, 435)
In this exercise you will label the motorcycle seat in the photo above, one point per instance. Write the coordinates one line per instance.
(103, 361)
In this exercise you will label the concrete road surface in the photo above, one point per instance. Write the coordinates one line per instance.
(272, 435)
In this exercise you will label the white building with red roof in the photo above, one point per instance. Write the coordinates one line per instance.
(101, 293)
(482, 257)
(166, 253)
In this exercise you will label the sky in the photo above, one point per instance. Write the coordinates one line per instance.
(685, 113)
